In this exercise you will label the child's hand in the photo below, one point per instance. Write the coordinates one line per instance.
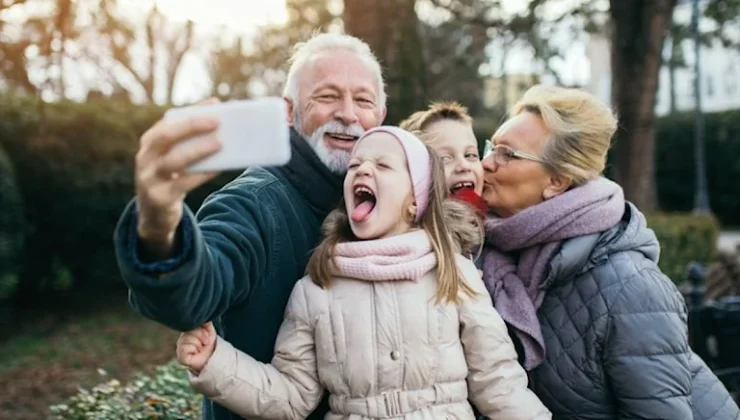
(195, 347)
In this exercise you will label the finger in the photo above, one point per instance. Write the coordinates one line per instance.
(194, 341)
(210, 101)
(180, 158)
(201, 336)
(211, 333)
(191, 181)
(191, 343)
(184, 351)
(164, 134)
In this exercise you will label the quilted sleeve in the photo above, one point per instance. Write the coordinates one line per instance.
(288, 388)
(646, 349)
(497, 382)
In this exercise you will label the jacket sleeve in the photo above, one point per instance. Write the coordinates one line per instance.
(225, 253)
(497, 382)
(289, 388)
(646, 350)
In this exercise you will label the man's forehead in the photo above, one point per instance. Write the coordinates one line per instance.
(341, 69)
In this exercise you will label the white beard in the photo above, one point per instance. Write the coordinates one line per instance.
(335, 160)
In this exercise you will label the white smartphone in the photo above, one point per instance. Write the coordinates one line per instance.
(252, 132)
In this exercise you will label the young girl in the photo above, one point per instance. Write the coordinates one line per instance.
(448, 129)
(390, 319)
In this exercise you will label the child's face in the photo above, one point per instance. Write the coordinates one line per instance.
(455, 143)
(377, 188)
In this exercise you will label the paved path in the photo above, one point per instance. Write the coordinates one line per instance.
(728, 240)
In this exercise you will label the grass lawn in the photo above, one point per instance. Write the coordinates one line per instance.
(46, 360)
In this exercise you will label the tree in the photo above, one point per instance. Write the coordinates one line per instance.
(43, 40)
(238, 67)
(12, 55)
(637, 30)
(121, 43)
(638, 33)
(453, 54)
(393, 31)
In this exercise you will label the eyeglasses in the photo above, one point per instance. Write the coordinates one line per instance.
(502, 154)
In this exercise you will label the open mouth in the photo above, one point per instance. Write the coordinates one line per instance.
(461, 186)
(364, 201)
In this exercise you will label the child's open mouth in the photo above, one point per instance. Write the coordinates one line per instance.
(364, 203)
(461, 186)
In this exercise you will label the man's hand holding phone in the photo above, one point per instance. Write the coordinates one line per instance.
(192, 145)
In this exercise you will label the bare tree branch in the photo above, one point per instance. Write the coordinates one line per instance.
(178, 45)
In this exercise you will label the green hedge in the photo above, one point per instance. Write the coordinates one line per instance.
(684, 238)
(12, 227)
(166, 395)
(74, 168)
(675, 169)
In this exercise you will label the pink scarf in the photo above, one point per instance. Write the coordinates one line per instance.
(402, 257)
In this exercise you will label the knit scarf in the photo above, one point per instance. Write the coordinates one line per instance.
(406, 256)
(519, 248)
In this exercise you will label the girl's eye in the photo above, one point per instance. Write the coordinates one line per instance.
(445, 158)
(472, 156)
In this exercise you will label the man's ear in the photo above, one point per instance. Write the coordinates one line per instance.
(383, 114)
(289, 103)
(556, 185)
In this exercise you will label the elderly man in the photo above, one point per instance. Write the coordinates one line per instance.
(237, 261)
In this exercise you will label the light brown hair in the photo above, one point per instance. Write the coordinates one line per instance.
(452, 226)
(419, 122)
(581, 130)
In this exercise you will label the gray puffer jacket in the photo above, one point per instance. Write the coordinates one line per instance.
(616, 335)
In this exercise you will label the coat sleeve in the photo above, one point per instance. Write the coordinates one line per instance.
(497, 382)
(646, 350)
(288, 388)
(225, 254)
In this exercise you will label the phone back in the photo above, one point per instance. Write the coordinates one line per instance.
(252, 132)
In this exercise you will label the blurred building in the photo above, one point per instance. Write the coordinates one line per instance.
(504, 92)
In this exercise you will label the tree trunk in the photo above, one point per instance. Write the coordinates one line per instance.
(672, 67)
(672, 86)
(639, 29)
(391, 28)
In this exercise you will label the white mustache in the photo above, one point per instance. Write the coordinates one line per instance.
(337, 127)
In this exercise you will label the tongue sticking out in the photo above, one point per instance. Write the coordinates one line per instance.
(362, 211)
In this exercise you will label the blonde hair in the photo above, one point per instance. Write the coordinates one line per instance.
(581, 130)
(453, 228)
(418, 122)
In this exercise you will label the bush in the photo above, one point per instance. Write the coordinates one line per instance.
(164, 395)
(684, 238)
(74, 168)
(675, 169)
(12, 227)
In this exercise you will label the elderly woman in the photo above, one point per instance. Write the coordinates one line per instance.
(572, 268)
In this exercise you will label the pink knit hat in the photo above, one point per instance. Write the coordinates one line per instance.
(418, 159)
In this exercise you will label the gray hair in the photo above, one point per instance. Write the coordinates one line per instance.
(304, 51)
